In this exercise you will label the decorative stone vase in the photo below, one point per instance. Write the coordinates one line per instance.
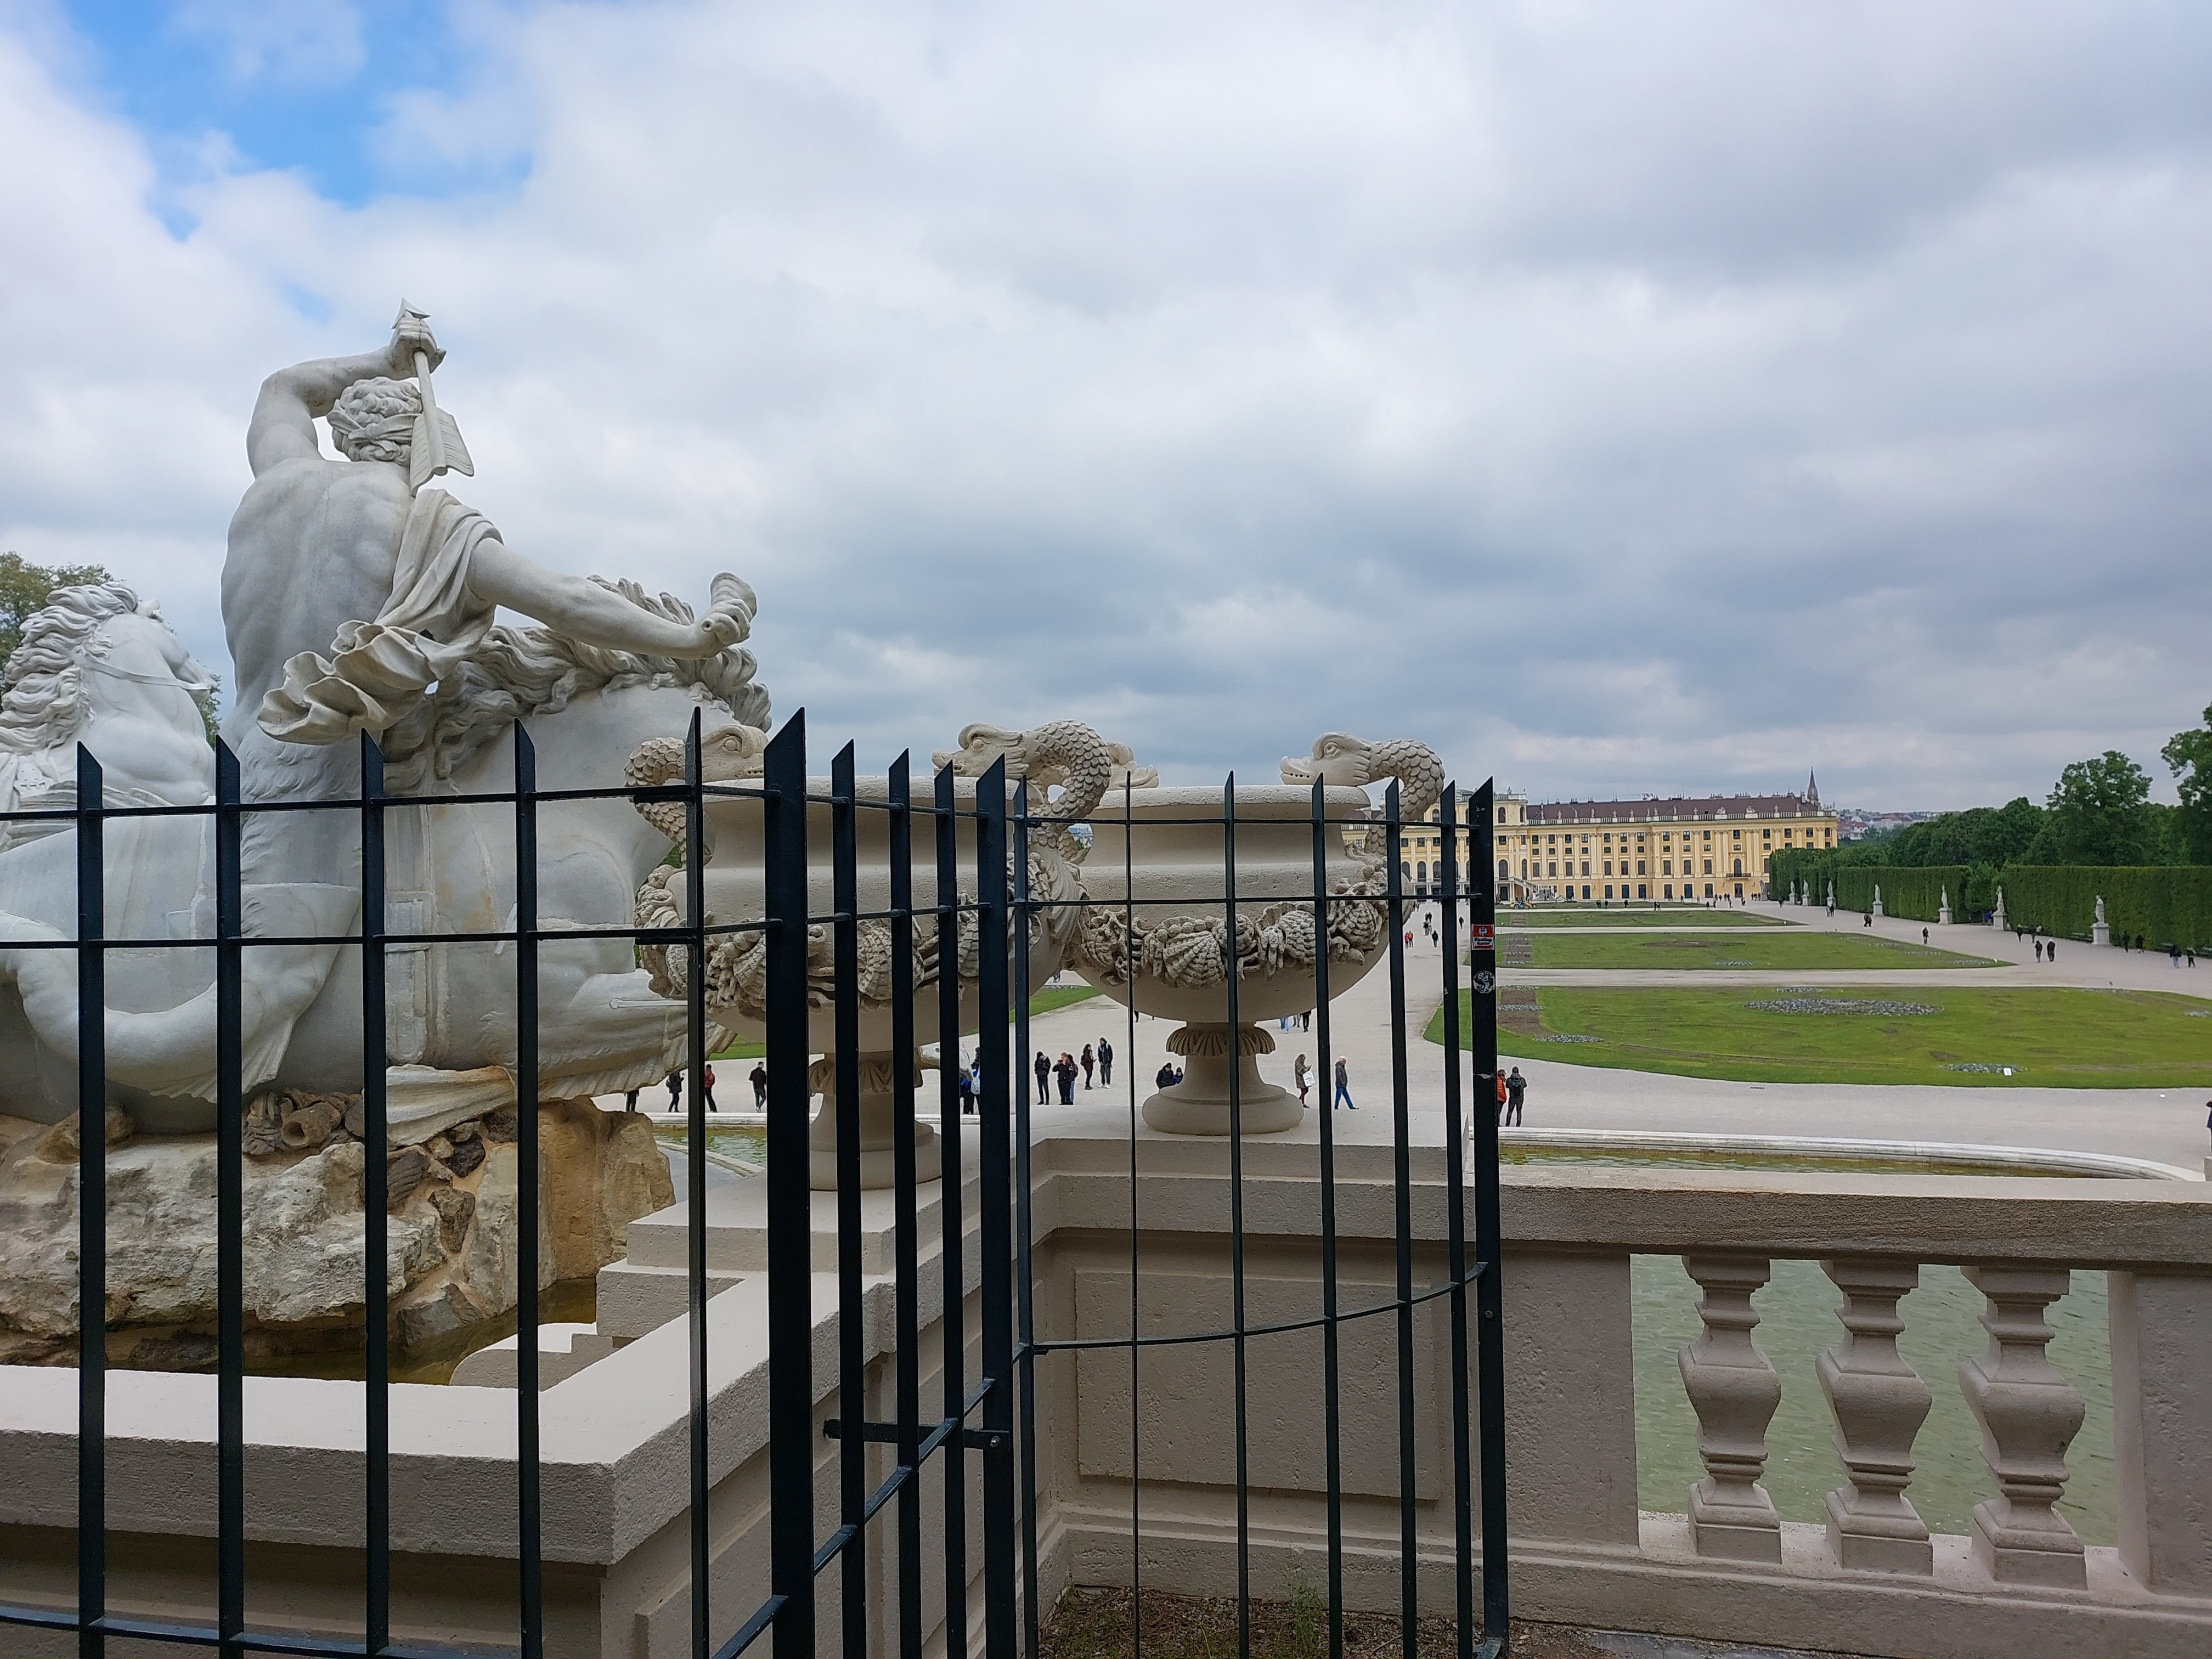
(1169, 954)
(736, 963)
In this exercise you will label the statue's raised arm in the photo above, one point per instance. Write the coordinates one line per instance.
(292, 399)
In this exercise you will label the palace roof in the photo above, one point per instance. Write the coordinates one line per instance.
(1676, 808)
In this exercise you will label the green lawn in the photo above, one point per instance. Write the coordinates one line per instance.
(1055, 997)
(1789, 951)
(1587, 915)
(2055, 1038)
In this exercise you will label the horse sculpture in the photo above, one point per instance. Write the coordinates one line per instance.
(451, 1037)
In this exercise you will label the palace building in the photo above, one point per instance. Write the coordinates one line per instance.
(1677, 847)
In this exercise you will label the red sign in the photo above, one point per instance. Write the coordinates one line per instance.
(1483, 933)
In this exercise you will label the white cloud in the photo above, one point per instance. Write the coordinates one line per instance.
(1674, 398)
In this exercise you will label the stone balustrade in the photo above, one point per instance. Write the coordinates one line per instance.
(1718, 1563)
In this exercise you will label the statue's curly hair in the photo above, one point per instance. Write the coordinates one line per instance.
(375, 420)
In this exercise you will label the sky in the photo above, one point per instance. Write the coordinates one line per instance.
(1665, 398)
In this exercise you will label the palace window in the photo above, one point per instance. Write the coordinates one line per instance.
(1639, 870)
(1709, 870)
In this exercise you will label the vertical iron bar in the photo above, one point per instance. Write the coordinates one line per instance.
(230, 1210)
(994, 1237)
(790, 1198)
(1025, 1309)
(375, 1197)
(1456, 1224)
(91, 1204)
(906, 1269)
(1332, 1422)
(954, 1294)
(1409, 1605)
(1489, 1294)
(695, 1179)
(530, 1542)
(1136, 1327)
(845, 1057)
(1236, 1224)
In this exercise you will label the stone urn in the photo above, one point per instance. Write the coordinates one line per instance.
(1171, 953)
(735, 890)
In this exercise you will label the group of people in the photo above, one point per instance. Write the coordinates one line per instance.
(1096, 1060)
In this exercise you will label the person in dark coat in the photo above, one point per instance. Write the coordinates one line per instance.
(1066, 1072)
(1105, 1064)
(1090, 1062)
(1043, 1078)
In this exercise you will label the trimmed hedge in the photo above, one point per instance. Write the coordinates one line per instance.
(2167, 903)
(1915, 893)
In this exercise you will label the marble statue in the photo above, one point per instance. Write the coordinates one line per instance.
(2100, 930)
(357, 597)
(1997, 917)
(1943, 909)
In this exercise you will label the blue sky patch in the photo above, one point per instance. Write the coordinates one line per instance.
(304, 85)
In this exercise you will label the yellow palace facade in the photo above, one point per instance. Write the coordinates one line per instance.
(1677, 847)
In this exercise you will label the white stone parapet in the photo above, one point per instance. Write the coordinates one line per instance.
(614, 1431)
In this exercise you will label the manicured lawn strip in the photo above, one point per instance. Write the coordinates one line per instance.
(2059, 1038)
(1790, 952)
(1687, 915)
(1055, 997)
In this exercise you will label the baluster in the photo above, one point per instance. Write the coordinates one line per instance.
(1879, 1403)
(2029, 1415)
(1734, 1390)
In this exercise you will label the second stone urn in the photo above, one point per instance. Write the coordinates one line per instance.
(736, 892)
(1157, 936)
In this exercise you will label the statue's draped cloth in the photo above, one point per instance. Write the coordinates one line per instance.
(379, 672)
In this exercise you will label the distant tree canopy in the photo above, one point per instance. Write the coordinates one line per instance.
(24, 588)
(2189, 756)
(2099, 813)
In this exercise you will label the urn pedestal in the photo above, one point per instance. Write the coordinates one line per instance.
(1156, 935)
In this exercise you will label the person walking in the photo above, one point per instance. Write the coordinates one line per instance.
(675, 1081)
(1090, 1064)
(1105, 1064)
(1516, 1087)
(1923, 936)
(1343, 1090)
(1043, 1078)
(2051, 950)
(1300, 1076)
(758, 1079)
(629, 1101)
(1066, 1072)
(2038, 950)
(967, 1093)
(706, 1087)
(1499, 1111)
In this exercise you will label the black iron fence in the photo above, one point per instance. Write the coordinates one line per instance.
(983, 1425)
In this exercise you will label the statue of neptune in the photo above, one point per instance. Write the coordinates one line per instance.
(398, 584)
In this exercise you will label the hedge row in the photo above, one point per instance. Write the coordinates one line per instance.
(1917, 893)
(2167, 903)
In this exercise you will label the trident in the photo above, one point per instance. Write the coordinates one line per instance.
(437, 447)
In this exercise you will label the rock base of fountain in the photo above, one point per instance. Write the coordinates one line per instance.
(879, 1109)
(1199, 1105)
(451, 1256)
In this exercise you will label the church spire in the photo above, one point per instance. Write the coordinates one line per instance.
(1811, 790)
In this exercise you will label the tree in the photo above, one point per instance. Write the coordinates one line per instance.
(2189, 755)
(2099, 814)
(25, 588)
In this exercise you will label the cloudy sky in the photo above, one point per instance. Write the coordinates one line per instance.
(1624, 398)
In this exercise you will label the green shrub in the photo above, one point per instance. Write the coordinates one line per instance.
(1915, 893)
(2168, 904)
